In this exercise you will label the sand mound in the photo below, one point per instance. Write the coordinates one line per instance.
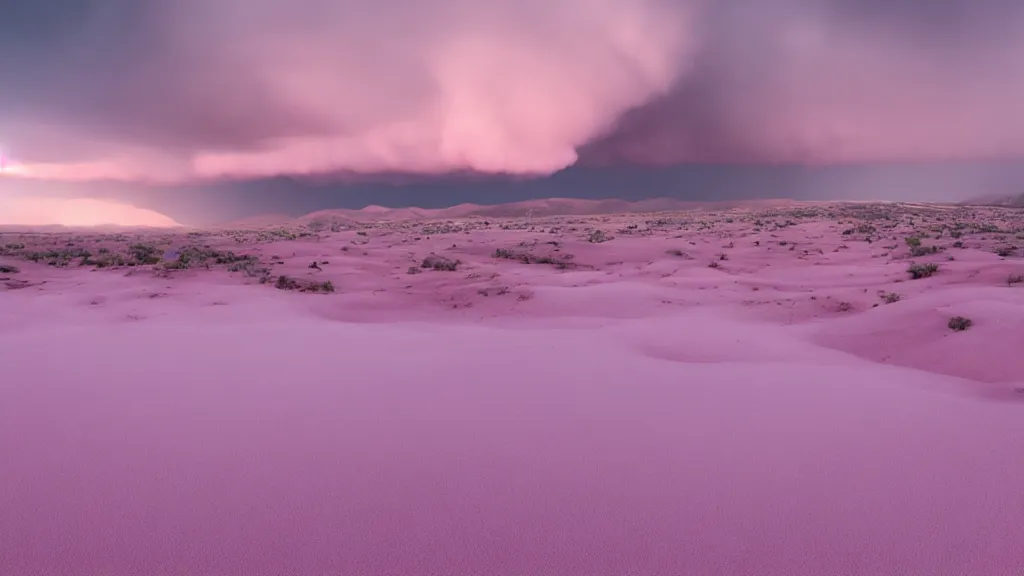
(915, 333)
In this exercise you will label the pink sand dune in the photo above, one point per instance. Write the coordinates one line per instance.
(641, 413)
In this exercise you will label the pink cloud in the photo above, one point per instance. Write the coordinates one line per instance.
(499, 86)
(264, 87)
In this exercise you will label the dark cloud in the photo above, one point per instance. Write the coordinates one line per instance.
(820, 80)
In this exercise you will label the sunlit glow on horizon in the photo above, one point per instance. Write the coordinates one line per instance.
(73, 172)
(30, 211)
(15, 169)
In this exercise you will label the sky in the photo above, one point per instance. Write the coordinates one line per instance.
(191, 92)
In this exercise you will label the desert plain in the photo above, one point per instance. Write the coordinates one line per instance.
(790, 389)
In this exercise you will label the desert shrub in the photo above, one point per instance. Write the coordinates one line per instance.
(1014, 279)
(286, 283)
(189, 257)
(1006, 251)
(959, 323)
(8, 269)
(228, 257)
(918, 271)
(414, 270)
(194, 256)
(144, 254)
(243, 264)
(958, 244)
(891, 297)
(289, 283)
(325, 287)
(912, 241)
(598, 236)
(105, 260)
(845, 307)
(440, 263)
(58, 258)
(919, 250)
(714, 264)
(527, 258)
(250, 265)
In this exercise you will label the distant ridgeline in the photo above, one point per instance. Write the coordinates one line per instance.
(213, 202)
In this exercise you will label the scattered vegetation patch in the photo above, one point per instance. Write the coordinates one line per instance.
(273, 235)
(1006, 251)
(562, 263)
(196, 256)
(250, 265)
(144, 254)
(919, 250)
(959, 323)
(597, 237)
(918, 271)
(58, 258)
(1014, 279)
(105, 260)
(8, 269)
(288, 283)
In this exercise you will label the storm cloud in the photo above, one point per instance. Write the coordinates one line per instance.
(197, 89)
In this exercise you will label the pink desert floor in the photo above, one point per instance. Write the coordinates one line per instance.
(755, 391)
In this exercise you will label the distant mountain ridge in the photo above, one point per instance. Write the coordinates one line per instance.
(1009, 201)
(212, 202)
(528, 208)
